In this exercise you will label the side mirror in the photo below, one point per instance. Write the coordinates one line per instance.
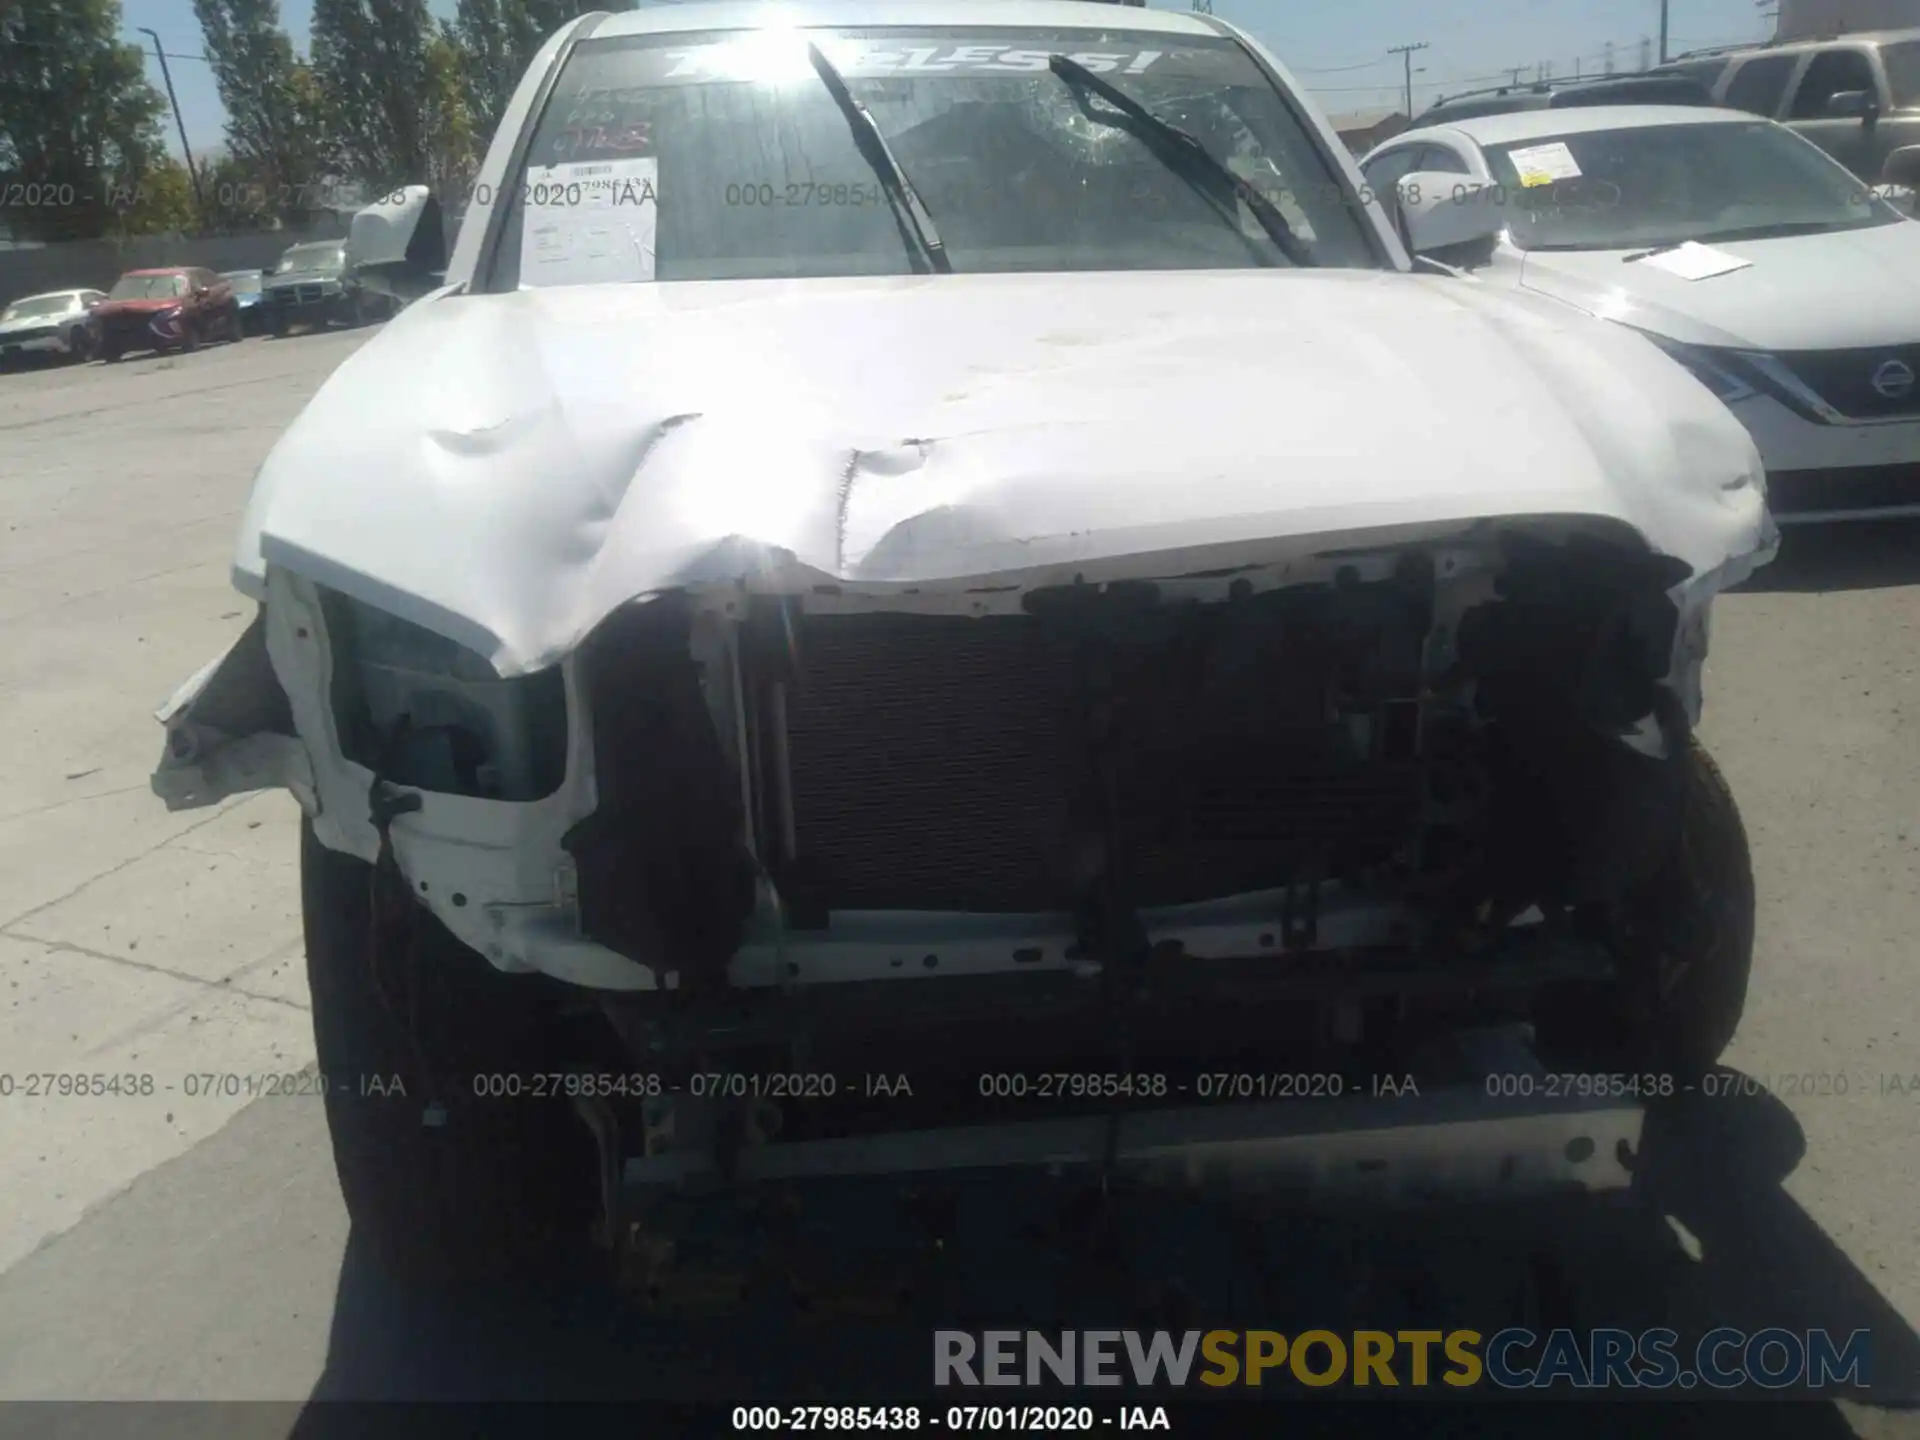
(1902, 167)
(398, 247)
(1441, 211)
(1852, 104)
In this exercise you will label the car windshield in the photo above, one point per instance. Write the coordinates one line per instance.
(1903, 72)
(244, 282)
(1663, 184)
(709, 156)
(38, 305)
(311, 258)
(148, 287)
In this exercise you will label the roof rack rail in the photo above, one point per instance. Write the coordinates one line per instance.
(1709, 50)
(1532, 87)
(1547, 87)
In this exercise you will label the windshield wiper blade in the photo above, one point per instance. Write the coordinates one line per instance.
(916, 223)
(1186, 157)
(1666, 249)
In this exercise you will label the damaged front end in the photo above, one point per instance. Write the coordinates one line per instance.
(1258, 834)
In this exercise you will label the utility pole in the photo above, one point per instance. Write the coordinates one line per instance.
(1513, 74)
(193, 171)
(1609, 57)
(1405, 52)
(1663, 32)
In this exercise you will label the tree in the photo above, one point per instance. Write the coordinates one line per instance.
(451, 157)
(160, 202)
(237, 199)
(370, 60)
(497, 40)
(76, 116)
(273, 125)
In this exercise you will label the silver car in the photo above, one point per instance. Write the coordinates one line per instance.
(51, 324)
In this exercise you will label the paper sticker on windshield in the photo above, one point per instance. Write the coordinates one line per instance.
(583, 223)
(1544, 164)
(1693, 261)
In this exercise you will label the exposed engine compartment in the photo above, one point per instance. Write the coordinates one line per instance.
(1447, 733)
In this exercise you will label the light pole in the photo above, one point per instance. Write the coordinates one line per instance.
(193, 171)
(1405, 52)
(1663, 31)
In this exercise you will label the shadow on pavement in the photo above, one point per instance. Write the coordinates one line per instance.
(1754, 1260)
(1853, 555)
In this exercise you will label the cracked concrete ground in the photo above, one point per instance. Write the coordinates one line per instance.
(193, 1246)
(161, 949)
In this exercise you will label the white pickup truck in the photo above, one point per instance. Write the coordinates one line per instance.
(893, 612)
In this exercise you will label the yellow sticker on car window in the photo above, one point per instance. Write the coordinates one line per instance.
(1544, 164)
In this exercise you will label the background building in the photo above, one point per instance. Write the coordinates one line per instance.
(1364, 129)
(1800, 18)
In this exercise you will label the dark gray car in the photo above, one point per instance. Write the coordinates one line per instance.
(313, 285)
(1855, 96)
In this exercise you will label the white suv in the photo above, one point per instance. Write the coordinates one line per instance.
(1738, 247)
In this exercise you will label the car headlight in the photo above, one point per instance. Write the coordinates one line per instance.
(1712, 369)
(425, 711)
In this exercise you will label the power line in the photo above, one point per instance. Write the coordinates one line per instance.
(1507, 75)
(1339, 69)
(143, 49)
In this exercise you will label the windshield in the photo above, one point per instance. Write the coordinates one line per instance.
(307, 258)
(148, 287)
(38, 305)
(1903, 72)
(710, 156)
(244, 282)
(1664, 184)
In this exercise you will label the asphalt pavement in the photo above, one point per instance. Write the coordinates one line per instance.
(175, 1239)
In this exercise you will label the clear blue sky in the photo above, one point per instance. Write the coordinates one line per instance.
(1339, 50)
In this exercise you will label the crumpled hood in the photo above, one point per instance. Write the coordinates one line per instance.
(301, 277)
(509, 469)
(1839, 291)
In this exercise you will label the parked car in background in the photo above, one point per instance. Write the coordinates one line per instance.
(178, 307)
(1739, 248)
(314, 285)
(1855, 96)
(248, 294)
(1649, 89)
(52, 325)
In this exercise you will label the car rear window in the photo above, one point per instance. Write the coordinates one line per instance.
(724, 155)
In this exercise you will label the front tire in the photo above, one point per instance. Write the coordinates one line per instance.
(1685, 944)
(480, 1192)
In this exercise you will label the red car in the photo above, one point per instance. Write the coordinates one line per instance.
(176, 308)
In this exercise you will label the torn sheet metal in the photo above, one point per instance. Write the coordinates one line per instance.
(537, 459)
